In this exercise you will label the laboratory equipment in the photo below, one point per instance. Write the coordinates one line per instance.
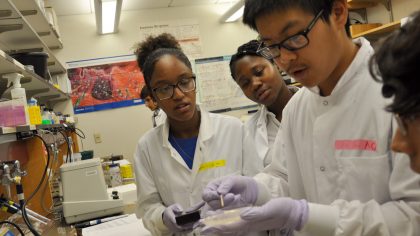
(223, 217)
(187, 218)
(85, 194)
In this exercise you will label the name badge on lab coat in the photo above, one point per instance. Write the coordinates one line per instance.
(212, 164)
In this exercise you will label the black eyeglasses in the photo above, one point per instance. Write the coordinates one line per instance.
(292, 43)
(403, 121)
(167, 91)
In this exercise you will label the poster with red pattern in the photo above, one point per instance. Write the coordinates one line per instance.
(105, 83)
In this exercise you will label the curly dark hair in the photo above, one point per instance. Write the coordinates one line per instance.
(396, 64)
(152, 49)
(248, 49)
(256, 8)
(149, 65)
(151, 43)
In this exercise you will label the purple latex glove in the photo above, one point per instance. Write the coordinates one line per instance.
(175, 210)
(278, 213)
(237, 191)
(168, 217)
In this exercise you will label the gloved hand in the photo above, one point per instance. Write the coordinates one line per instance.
(278, 213)
(174, 210)
(237, 191)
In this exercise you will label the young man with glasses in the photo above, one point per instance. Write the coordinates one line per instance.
(400, 77)
(332, 172)
(158, 115)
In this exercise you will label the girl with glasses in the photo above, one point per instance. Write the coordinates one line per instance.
(175, 160)
(261, 81)
(396, 64)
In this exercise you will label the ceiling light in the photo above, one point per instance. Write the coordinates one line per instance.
(107, 15)
(234, 13)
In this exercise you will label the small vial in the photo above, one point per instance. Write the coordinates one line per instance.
(222, 203)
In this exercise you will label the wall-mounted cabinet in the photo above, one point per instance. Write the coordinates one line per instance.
(17, 34)
(33, 84)
(360, 4)
(379, 30)
(23, 28)
(38, 20)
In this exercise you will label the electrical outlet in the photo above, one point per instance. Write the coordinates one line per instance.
(97, 137)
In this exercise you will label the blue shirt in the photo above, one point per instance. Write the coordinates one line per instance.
(185, 148)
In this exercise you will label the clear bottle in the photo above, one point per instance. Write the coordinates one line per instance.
(51, 116)
(18, 95)
(115, 175)
(45, 117)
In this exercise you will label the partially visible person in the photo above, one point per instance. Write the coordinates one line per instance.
(397, 64)
(158, 116)
(174, 161)
(142, 51)
(261, 82)
(333, 171)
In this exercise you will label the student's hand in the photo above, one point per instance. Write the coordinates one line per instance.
(169, 219)
(237, 191)
(278, 213)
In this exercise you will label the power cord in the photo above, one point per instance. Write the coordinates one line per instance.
(68, 145)
(22, 202)
(15, 225)
(81, 134)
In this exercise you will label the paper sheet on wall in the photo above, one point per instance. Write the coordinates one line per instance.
(217, 90)
(129, 225)
(186, 31)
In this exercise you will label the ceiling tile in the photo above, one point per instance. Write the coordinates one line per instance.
(226, 1)
(75, 7)
(144, 4)
(182, 3)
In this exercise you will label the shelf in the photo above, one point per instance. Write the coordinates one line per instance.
(33, 13)
(360, 4)
(379, 31)
(24, 38)
(33, 84)
(7, 130)
(12, 134)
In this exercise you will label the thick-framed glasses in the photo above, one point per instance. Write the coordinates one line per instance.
(167, 91)
(292, 43)
(403, 121)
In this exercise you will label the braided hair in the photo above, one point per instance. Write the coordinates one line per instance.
(248, 49)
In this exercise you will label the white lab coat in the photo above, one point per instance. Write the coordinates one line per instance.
(256, 129)
(335, 152)
(163, 178)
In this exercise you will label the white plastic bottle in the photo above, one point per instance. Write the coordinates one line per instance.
(115, 175)
(18, 93)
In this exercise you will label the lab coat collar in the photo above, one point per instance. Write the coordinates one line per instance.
(262, 118)
(205, 132)
(354, 68)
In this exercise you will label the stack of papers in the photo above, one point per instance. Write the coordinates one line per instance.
(126, 226)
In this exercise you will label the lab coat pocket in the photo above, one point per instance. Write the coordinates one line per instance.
(365, 177)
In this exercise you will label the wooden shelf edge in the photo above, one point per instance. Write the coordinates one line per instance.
(386, 28)
(354, 5)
